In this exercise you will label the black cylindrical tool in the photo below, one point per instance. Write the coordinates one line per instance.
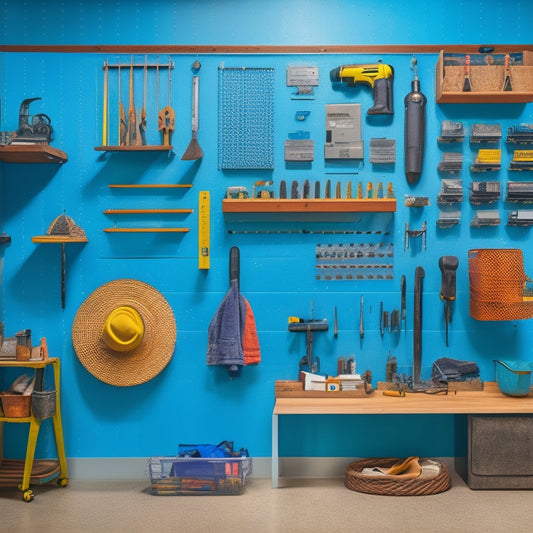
(448, 266)
(415, 129)
(417, 325)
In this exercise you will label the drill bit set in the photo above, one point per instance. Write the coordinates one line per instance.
(363, 261)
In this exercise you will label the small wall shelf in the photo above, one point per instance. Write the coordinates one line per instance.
(146, 230)
(31, 153)
(146, 211)
(334, 205)
(140, 148)
(149, 186)
(487, 80)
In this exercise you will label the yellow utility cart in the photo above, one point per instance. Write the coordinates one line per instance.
(30, 471)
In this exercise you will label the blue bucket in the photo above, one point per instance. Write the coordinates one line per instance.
(514, 377)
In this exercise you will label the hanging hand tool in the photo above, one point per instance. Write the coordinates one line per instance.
(317, 189)
(104, 107)
(417, 325)
(121, 115)
(448, 265)
(294, 190)
(306, 190)
(132, 119)
(283, 189)
(327, 192)
(308, 363)
(507, 81)
(415, 128)
(403, 309)
(336, 329)
(194, 151)
(467, 86)
(142, 123)
(166, 115)
(361, 326)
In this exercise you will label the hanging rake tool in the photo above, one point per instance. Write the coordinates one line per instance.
(132, 119)
(166, 115)
(142, 123)
(194, 151)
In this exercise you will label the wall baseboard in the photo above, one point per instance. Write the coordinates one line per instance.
(118, 468)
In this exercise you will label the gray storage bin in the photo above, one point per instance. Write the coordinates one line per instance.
(498, 452)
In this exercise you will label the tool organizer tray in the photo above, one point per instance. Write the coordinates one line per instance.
(295, 389)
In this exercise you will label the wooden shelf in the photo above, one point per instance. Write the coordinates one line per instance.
(314, 205)
(146, 230)
(31, 153)
(146, 211)
(141, 148)
(53, 239)
(487, 82)
(489, 400)
(149, 186)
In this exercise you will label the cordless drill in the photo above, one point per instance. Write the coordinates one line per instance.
(379, 76)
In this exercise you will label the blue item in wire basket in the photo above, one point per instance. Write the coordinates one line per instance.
(245, 118)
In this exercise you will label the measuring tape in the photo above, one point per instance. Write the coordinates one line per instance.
(203, 230)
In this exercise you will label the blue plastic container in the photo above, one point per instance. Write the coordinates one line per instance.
(514, 377)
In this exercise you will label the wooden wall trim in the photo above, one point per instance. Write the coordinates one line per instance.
(262, 49)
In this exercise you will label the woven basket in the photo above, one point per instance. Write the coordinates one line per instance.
(388, 486)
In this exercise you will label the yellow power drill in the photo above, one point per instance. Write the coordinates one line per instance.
(379, 76)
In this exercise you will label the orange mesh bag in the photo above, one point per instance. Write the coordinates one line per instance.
(497, 285)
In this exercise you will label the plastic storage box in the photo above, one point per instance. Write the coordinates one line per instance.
(188, 475)
(514, 377)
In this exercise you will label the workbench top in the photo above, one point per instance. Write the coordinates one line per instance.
(489, 400)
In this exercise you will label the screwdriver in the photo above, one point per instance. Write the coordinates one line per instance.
(448, 266)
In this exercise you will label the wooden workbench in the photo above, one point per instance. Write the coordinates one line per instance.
(488, 401)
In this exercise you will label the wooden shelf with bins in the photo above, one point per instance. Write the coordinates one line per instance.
(487, 81)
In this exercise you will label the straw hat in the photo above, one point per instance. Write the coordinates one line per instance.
(124, 333)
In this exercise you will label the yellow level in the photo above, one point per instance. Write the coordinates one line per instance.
(203, 230)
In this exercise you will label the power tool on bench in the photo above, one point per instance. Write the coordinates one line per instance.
(308, 363)
(32, 129)
(379, 76)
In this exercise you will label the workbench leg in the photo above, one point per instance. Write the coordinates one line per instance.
(275, 457)
(35, 425)
(58, 429)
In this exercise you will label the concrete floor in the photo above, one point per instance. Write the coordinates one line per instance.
(299, 505)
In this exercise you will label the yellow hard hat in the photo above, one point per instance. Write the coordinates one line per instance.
(123, 329)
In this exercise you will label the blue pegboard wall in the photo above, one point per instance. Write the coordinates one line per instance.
(188, 401)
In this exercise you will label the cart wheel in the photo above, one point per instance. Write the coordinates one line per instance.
(28, 495)
(62, 481)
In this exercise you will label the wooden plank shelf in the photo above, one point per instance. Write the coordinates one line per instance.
(146, 211)
(149, 186)
(313, 205)
(31, 153)
(54, 239)
(146, 230)
(140, 148)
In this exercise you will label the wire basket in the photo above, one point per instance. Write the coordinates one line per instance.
(387, 486)
(498, 285)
